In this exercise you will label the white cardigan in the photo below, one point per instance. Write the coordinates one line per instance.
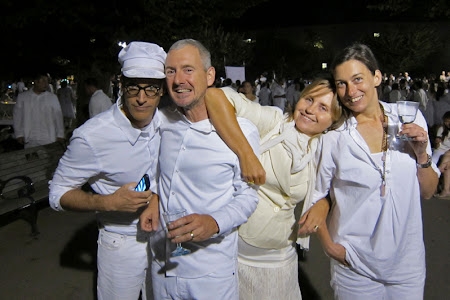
(273, 225)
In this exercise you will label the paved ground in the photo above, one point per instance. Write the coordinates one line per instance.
(59, 263)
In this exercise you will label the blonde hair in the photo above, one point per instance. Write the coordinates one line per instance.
(338, 112)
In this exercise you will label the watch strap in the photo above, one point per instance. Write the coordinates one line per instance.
(425, 165)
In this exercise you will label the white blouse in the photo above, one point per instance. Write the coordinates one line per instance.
(381, 235)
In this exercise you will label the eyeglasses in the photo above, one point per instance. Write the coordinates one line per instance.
(149, 90)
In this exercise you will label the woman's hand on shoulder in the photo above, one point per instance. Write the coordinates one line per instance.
(252, 170)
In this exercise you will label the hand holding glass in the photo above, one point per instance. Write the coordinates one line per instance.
(407, 111)
(169, 217)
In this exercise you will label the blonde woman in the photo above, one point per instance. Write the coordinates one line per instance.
(268, 265)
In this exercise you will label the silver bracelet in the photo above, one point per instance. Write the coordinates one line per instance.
(425, 165)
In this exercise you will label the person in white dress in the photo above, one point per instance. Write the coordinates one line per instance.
(442, 142)
(279, 93)
(66, 98)
(248, 89)
(265, 97)
(99, 101)
(375, 184)
(268, 265)
(37, 115)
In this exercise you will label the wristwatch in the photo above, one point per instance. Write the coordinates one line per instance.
(425, 165)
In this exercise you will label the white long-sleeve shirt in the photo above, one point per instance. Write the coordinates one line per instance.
(382, 235)
(108, 152)
(98, 103)
(38, 118)
(202, 175)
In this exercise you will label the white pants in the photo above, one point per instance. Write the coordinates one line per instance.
(122, 263)
(212, 286)
(349, 285)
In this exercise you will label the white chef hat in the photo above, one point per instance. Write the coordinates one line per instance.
(142, 60)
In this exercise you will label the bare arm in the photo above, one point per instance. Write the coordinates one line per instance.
(223, 117)
(149, 218)
(124, 199)
(315, 216)
(334, 250)
(428, 178)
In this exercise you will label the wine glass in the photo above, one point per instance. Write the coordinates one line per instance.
(169, 217)
(407, 111)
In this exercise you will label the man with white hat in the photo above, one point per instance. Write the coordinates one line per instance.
(111, 152)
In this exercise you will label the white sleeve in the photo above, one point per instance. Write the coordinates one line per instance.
(440, 131)
(78, 164)
(325, 168)
(18, 117)
(245, 198)
(58, 119)
(265, 118)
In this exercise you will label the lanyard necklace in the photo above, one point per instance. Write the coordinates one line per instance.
(384, 148)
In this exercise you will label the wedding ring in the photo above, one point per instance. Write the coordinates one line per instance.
(251, 182)
(192, 235)
(424, 142)
(316, 227)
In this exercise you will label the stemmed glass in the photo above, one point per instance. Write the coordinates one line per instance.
(407, 111)
(169, 217)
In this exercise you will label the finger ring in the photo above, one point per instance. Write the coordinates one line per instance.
(424, 142)
(251, 182)
(192, 235)
(316, 227)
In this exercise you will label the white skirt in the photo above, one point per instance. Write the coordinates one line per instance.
(277, 281)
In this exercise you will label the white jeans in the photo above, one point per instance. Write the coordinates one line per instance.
(212, 286)
(349, 285)
(122, 263)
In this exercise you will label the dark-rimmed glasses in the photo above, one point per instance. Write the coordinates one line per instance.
(149, 90)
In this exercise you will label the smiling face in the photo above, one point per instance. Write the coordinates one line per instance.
(356, 85)
(313, 112)
(140, 109)
(186, 77)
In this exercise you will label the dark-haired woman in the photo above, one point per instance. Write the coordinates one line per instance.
(375, 183)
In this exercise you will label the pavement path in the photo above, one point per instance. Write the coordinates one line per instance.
(60, 262)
